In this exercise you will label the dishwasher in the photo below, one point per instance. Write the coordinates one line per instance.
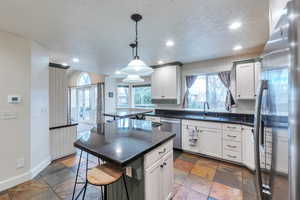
(174, 126)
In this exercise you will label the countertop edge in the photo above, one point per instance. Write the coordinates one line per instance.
(132, 158)
(63, 126)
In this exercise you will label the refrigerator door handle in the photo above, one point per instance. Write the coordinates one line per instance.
(257, 123)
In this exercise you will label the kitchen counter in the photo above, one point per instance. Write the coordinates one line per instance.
(122, 141)
(126, 113)
(243, 119)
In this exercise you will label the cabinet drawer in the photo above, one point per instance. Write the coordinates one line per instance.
(231, 135)
(232, 145)
(202, 124)
(232, 155)
(232, 127)
(156, 154)
(153, 119)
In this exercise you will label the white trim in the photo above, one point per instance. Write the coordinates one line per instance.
(11, 182)
(16, 180)
(40, 167)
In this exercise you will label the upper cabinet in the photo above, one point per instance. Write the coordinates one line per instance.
(275, 10)
(165, 85)
(247, 80)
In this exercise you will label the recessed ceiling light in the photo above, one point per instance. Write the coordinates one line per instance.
(237, 48)
(118, 72)
(169, 43)
(235, 25)
(160, 62)
(75, 60)
(64, 64)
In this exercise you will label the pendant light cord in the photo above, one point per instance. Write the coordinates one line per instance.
(136, 40)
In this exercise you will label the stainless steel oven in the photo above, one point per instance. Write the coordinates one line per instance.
(174, 126)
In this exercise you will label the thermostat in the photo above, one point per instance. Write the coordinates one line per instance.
(14, 99)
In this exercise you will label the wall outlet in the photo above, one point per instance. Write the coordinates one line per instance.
(20, 163)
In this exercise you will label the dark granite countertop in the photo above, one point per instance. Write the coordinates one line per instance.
(122, 141)
(126, 113)
(201, 117)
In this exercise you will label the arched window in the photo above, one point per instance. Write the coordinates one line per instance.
(84, 79)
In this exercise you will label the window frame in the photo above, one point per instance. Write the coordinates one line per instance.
(206, 91)
(133, 96)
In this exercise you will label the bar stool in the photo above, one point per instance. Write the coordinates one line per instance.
(102, 175)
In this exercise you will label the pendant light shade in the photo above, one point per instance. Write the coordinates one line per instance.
(136, 66)
(133, 79)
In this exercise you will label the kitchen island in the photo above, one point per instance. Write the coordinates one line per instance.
(139, 147)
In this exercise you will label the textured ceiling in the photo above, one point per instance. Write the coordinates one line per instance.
(99, 31)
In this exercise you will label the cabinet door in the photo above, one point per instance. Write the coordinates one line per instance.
(187, 144)
(210, 143)
(153, 183)
(257, 71)
(169, 86)
(245, 81)
(167, 176)
(248, 148)
(156, 84)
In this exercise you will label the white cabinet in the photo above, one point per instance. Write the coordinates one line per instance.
(248, 148)
(210, 143)
(166, 82)
(159, 176)
(202, 137)
(247, 79)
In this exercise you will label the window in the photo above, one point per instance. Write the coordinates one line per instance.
(123, 96)
(141, 95)
(84, 79)
(207, 87)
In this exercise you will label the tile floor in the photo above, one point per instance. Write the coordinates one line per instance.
(196, 178)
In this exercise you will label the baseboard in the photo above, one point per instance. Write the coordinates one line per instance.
(16, 180)
(40, 167)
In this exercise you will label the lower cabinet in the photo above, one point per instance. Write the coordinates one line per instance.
(159, 179)
(248, 148)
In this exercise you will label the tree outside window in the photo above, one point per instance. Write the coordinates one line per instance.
(142, 96)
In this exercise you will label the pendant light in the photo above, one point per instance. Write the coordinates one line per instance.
(132, 78)
(137, 66)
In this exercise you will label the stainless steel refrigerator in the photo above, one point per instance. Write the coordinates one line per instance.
(277, 112)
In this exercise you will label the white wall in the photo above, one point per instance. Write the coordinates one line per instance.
(22, 72)
(40, 149)
(110, 102)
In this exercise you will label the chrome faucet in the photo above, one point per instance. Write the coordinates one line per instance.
(205, 104)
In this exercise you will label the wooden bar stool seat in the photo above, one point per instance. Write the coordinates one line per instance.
(105, 174)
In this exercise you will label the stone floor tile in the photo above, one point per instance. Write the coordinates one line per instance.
(247, 196)
(231, 168)
(223, 192)
(59, 177)
(229, 179)
(198, 184)
(180, 176)
(52, 168)
(211, 198)
(188, 194)
(203, 171)
(4, 196)
(28, 190)
(71, 161)
(189, 158)
(183, 165)
(208, 162)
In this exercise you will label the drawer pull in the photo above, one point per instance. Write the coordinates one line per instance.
(232, 136)
(164, 151)
(230, 156)
(162, 165)
(231, 146)
(231, 127)
(193, 140)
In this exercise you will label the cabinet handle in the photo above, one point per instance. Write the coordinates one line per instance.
(230, 146)
(231, 127)
(164, 151)
(161, 166)
(230, 156)
(231, 136)
(163, 96)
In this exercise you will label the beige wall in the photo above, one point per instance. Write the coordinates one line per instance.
(23, 71)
